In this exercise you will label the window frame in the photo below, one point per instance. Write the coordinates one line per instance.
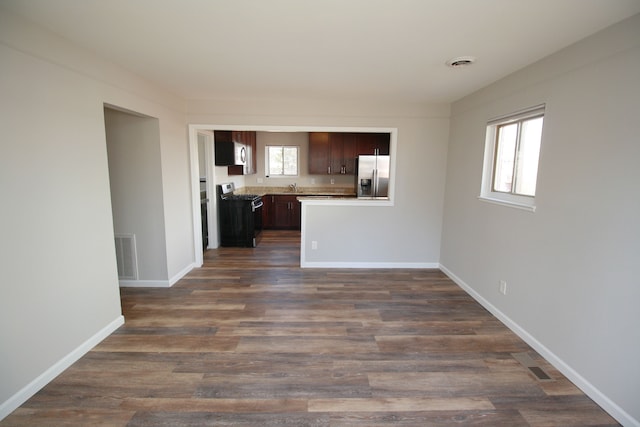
(487, 192)
(267, 170)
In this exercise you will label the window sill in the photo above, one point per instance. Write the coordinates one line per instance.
(508, 203)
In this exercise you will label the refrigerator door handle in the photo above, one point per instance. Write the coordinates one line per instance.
(374, 193)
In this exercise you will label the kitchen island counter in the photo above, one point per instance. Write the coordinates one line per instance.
(301, 191)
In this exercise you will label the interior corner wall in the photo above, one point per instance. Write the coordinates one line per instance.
(133, 147)
(570, 267)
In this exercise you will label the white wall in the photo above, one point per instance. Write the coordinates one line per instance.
(573, 288)
(176, 185)
(59, 283)
(133, 147)
(59, 286)
(411, 227)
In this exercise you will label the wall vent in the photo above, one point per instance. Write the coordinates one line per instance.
(527, 361)
(126, 256)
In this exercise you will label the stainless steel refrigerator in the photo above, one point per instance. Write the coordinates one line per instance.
(372, 177)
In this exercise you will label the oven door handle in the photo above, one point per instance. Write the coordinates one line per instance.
(255, 206)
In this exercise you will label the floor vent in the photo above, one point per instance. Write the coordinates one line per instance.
(126, 256)
(526, 361)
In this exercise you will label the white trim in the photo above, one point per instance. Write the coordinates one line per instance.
(195, 195)
(486, 192)
(157, 283)
(275, 128)
(144, 283)
(212, 205)
(589, 389)
(181, 274)
(518, 115)
(47, 376)
(387, 265)
(511, 204)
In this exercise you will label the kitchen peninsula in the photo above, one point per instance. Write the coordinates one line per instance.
(281, 209)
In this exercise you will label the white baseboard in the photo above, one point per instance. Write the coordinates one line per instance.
(583, 384)
(144, 283)
(43, 379)
(156, 283)
(181, 274)
(307, 264)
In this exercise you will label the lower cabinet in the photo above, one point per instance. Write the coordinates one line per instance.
(281, 212)
(267, 211)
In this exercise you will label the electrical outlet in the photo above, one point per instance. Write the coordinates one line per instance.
(314, 245)
(503, 287)
(313, 180)
(260, 180)
(333, 181)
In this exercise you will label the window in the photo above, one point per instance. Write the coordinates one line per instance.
(281, 161)
(512, 150)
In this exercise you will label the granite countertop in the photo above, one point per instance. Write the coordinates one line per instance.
(332, 191)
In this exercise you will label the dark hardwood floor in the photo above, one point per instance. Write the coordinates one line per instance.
(251, 339)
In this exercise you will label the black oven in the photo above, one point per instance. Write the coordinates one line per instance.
(239, 216)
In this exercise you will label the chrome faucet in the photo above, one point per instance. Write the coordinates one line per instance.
(294, 187)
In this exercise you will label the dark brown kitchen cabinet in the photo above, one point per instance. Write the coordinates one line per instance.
(252, 153)
(368, 143)
(227, 150)
(319, 153)
(267, 211)
(343, 153)
(248, 139)
(245, 140)
(283, 212)
(332, 153)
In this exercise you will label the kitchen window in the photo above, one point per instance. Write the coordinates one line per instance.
(281, 161)
(512, 150)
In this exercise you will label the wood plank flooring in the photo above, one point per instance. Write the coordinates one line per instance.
(251, 339)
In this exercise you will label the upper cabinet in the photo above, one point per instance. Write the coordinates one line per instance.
(237, 150)
(343, 153)
(319, 153)
(335, 153)
(332, 153)
(368, 143)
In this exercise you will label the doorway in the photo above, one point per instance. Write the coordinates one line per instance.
(135, 179)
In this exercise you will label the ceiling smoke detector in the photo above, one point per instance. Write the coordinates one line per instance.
(461, 61)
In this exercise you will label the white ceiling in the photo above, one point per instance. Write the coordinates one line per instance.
(343, 49)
